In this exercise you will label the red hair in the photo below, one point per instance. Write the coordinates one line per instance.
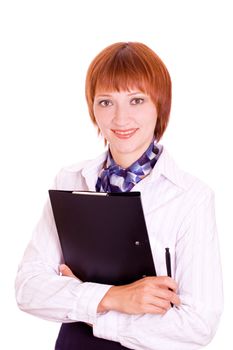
(129, 65)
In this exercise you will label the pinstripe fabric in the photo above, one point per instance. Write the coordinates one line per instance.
(179, 213)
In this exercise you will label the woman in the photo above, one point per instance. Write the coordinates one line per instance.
(128, 91)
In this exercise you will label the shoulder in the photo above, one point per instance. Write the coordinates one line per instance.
(75, 167)
(197, 191)
(191, 186)
(73, 175)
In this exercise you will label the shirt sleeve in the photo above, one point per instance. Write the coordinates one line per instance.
(41, 291)
(198, 273)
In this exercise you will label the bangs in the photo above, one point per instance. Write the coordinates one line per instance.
(121, 80)
(122, 72)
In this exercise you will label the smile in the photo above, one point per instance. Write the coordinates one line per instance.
(124, 134)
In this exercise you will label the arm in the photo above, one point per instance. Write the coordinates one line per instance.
(152, 295)
(198, 274)
(41, 291)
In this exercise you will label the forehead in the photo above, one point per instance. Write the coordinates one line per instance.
(107, 93)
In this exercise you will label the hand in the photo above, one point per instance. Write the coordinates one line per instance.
(66, 271)
(148, 295)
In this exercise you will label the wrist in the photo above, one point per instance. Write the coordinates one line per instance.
(105, 303)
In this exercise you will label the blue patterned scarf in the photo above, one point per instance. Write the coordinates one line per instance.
(113, 178)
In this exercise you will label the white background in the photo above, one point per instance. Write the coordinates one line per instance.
(46, 47)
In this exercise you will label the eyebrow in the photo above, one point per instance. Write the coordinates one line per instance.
(130, 94)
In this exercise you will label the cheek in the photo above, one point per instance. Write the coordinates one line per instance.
(102, 124)
(151, 125)
(150, 118)
(102, 117)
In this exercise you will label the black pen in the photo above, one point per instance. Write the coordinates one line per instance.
(168, 265)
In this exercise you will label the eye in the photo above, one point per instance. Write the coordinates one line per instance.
(105, 103)
(137, 101)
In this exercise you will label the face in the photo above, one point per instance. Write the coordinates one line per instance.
(127, 120)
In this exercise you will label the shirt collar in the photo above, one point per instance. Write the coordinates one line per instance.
(165, 166)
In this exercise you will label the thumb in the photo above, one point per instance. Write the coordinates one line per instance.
(66, 271)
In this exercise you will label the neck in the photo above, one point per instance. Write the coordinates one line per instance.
(125, 160)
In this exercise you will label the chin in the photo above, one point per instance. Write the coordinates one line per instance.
(128, 149)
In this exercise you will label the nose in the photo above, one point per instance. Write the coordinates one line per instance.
(121, 117)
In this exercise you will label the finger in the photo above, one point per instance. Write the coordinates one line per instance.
(66, 271)
(161, 281)
(153, 309)
(161, 287)
(167, 295)
(160, 303)
(167, 282)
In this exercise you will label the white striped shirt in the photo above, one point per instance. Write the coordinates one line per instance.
(179, 214)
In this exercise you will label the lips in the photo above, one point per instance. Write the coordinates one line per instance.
(124, 134)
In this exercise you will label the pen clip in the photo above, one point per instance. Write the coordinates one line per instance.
(168, 262)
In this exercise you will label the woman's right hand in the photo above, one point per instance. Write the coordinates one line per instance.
(148, 295)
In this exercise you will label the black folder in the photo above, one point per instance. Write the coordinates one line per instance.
(103, 236)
